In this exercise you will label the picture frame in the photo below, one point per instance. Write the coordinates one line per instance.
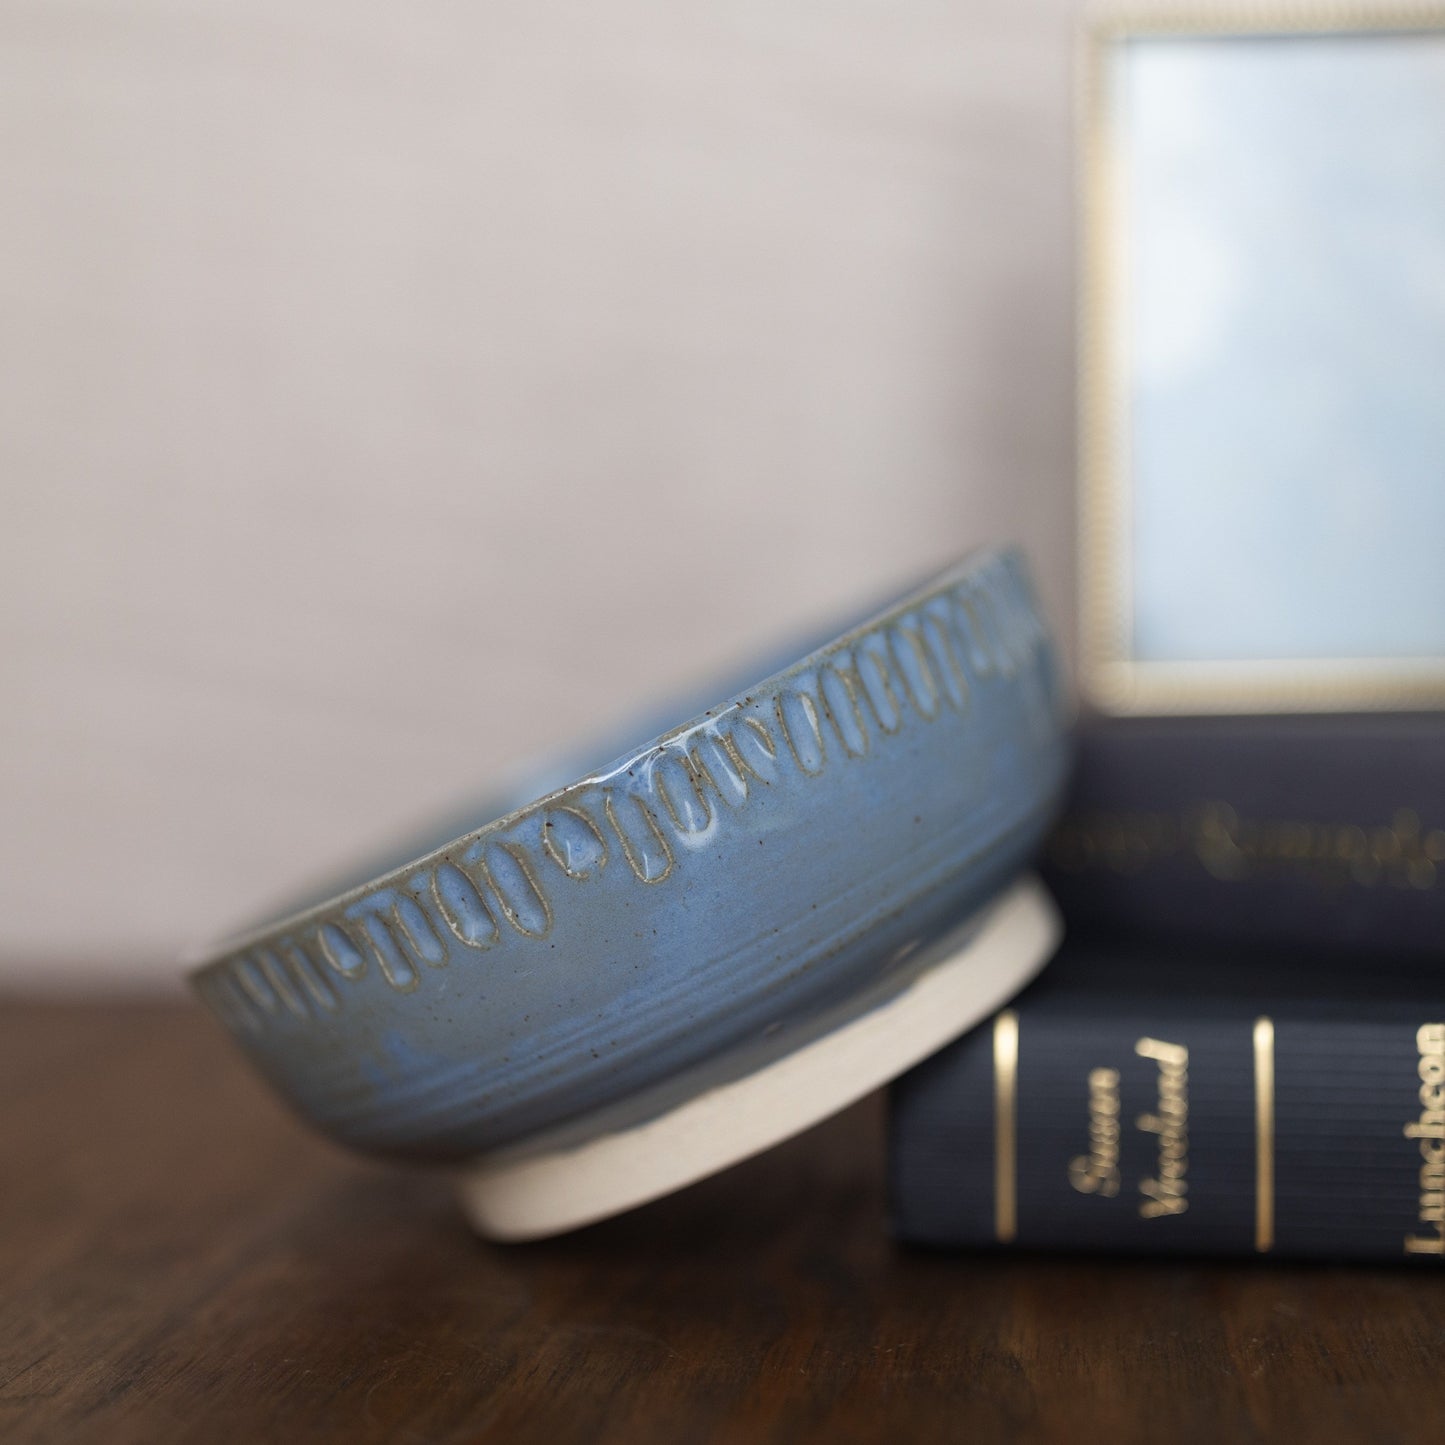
(1259, 495)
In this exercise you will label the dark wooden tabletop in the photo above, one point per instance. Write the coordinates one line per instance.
(180, 1261)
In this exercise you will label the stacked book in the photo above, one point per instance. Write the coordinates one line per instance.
(1241, 1047)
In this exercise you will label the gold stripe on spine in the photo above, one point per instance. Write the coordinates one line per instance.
(1005, 1126)
(1263, 1135)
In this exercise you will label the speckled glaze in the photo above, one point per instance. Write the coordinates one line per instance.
(704, 899)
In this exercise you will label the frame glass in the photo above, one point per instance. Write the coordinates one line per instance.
(1262, 375)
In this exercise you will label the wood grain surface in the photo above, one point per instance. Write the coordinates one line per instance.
(180, 1261)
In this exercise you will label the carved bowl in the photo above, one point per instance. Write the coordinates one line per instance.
(701, 906)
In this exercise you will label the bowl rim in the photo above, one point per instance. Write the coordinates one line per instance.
(213, 957)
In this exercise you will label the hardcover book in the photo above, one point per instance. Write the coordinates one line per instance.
(1321, 831)
(1137, 1100)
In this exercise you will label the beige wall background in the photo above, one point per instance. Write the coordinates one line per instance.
(392, 391)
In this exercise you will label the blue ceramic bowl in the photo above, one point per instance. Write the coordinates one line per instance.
(700, 901)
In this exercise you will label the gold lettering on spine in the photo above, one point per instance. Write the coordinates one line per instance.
(1097, 1172)
(1164, 1194)
(1005, 1126)
(1429, 1130)
(1263, 1135)
(1231, 848)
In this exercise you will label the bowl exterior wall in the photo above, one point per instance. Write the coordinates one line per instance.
(740, 875)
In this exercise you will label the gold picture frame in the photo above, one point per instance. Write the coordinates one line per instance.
(1112, 679)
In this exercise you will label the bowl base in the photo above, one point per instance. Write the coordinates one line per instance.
(530, 1191)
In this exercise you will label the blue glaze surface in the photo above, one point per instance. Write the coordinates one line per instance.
(716, 887)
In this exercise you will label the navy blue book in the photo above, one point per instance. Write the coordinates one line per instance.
(1137, 1099)
(1323, 831)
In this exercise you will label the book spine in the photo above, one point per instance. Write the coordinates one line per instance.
(1165, 1132)
(1319, 831)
